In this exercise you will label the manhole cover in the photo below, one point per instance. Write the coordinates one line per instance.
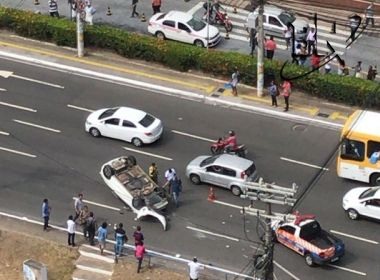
(323, 115)
(221, 90)
(299, 127)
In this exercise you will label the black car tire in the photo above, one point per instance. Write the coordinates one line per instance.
(236, 190)
(95, 132)
(309, 260)
(131, 160)
(375, 179)
(352, 214)
(137, 142)
(108, 171)
(195, 179)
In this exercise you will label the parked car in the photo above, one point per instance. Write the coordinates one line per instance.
(276, 22)
(183, 27)
(362, 201)
(124, 123)
(227, 171)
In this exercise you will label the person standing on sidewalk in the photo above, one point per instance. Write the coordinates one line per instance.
(194, 269)
(71, 231)
(78, 206)
(372, 72)
(53, 8)
(153, 172)
(270, 47)
(357, 70)
(138, 236)
(288, 33)
(83, 216)
(89, 13)
(139, 254)
(156, 5)
(120, 238)
(273, 91)
(91, 228)
(235, 78)
(46, 209)
(134, 7)
(252, 39)
(102, 236)
(369, 15)
(286, 91)
(310, 40)
(176, 190)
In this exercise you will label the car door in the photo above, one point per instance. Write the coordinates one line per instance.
(110, 127)
(276, 27)
(169, 29)
(371, 208)
(128, 130)
(184, 33)
(285, 235)
(212, 174)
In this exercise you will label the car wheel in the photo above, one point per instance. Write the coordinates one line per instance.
(137, 142)
(375, 179)
(131, 160)
(160, 35)
(95, 132)
(309, 260)
(236, 190)
(199, 43)
(108, 171)
(195, 179)
(352, 214)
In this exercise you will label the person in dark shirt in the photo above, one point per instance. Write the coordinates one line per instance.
(138, 235)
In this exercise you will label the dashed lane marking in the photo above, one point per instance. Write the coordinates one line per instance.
(146, 153)
(18, 107)
(348, 269)
(4, 133)
(193, 136)
(37, 81)
(286, 271)
(17, 152)
(213, 233)
(3, 89)
(38, 126)
(304, 163)
(99, 204)
(355, 237)
(79, 108)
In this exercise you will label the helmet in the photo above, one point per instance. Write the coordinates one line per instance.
(231, 133)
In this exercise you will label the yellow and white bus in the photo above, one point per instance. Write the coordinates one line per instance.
(360, 148)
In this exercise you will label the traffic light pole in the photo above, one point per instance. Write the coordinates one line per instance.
(80, 40)
(260, 51)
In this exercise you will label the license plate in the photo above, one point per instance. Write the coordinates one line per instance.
(334, 259)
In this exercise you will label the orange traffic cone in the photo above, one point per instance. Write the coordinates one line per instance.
(109, 13)
(211, 194)
(235, 10)
(36, 2)
(143, 19)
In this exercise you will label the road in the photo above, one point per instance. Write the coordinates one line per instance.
(45, 152)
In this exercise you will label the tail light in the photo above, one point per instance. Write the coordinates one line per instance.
(322, 255)
(243, 175)
(148, 133)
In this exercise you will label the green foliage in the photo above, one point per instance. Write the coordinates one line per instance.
(184, 57)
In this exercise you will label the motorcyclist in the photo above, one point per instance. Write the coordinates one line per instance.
(231, 141)
(214, 9)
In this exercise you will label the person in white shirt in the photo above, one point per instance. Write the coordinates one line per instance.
(89, 11)
(71, 231)
(78, 206)
(169, 174)
(310, 39)
(194, 268)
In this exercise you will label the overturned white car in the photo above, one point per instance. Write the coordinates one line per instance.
(134, 187)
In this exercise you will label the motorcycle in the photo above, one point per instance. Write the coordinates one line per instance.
(220, 18)
(220, 147)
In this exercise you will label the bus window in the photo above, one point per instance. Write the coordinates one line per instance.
(352, 149)
(372, 147)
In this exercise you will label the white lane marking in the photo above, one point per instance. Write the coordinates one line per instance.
(354, 237)
(18, 107)
(38, 126)
(4, 133)
(347, 269)
(37, 81)
(80, 108)
(17, 152)
(213, 233)
(304, 163)
(3, 89)
(193, 136)
(194, 9)
(286, 271)
(146, 153)
(99, 204)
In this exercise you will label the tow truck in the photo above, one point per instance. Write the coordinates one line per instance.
(134, 187)
(304, 235)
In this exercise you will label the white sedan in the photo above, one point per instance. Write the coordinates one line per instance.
(124, 123)
(183, 27)
(363, 201)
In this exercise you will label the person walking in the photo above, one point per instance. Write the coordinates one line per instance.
(372, 72)
(327, 63)
(46, 209)
(194, 269)
(286, 91)
(134, 8)
(78, 205)
(176, 190)
(354, 25)
(83, 216)
(53, 8)
(288, 34)
(153, 172)
(315, 60)
(273, 92)
(357, 70)
(102, 236)
(120, 238)
(139, 254)
(138, 236)
(270, 47)
(252, 39)
(71, 231)
(156, 5)
(91, 228)
(89, 13)
(369, 15)
(310, 40)
(235, 78)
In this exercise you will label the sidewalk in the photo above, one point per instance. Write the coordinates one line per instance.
(210, 89)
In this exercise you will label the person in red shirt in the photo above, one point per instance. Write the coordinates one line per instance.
(139, 254)
(315, 60)
(286, 90)
(270, 47)
(231, 141)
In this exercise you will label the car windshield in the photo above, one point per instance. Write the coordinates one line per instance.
(161, 16)
(369, 192)
(310, 231)
(108, 113)
(196, 24)
(147, 120)
(286, 18)
(208, 161)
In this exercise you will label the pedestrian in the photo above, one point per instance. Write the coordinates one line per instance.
(369, 15)
(83, 216)
(156, 5)
(46, 209)
(273, 91)
(176, 187)
(357, 70)
(91, 228)
(288, 34)
(354, 24)
(120, 238)
(270, 47)
(235, 78)
(169, 174)
(138, 235)
(139, 254)
(153, 172)
(73, 6)
(102, 236)
(78, 205)
(327, 63)
(53, 8)
(71, 231)
(302, 53)
(372, 72)
(310, 40)
(194, 269)
(252, 39)
(134, 8)
(286, 91)
(315, 60)
(89, 13)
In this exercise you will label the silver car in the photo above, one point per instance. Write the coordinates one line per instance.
(227, 171)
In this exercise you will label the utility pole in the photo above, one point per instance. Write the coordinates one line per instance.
(79, 15)
(260, 51)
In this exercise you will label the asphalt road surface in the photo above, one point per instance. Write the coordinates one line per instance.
(59, 160)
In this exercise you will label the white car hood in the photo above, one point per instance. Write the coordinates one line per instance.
(353, 195)
(213, 31)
